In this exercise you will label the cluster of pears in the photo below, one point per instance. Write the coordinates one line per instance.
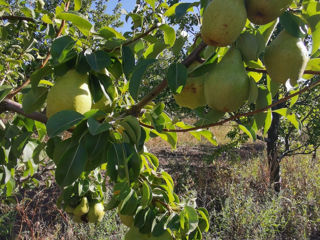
(226, 86)
(86, 211)
(71, 92)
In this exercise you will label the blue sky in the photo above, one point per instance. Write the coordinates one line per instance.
(128, 5)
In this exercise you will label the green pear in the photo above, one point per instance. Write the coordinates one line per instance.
(191, 95)
(135, 234)
(227, 85)
(264, 11)
(96, 213)
(165, 236)
(82, 208)
(251, 45)
(69, 209)
(286, 58)
(70, 92)
(223, 22)
(126, 220)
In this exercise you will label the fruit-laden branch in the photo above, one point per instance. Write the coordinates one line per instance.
(257, 70)
(135, 110)
(235, 117)
(9, 105)
(44, 63)
(17, 18)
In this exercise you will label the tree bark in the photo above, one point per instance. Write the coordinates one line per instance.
(272, 150)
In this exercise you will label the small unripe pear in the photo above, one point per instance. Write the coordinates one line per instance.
(286, 58)
(96, 213)
(223, 22)
(82, 208)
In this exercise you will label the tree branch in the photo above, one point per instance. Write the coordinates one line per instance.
(17, 18)
(241, 114)
(44, 63)
(9, 105)
(135, 110)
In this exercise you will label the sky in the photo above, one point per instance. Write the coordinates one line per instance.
(128, 5)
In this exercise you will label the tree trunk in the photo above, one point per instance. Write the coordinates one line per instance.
(272, 151)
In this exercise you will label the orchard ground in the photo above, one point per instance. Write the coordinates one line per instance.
(232, 183)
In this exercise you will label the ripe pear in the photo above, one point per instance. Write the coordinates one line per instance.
(96, 213)
(286, 58)
(82, 208)
(226, 86)
(191, 95)
(135, 234)
(70, 92)
(223, 22)
(264, 11)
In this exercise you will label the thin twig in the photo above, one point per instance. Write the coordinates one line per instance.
(239, 115)
(44, 63)
(17, 18)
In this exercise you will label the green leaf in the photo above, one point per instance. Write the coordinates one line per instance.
(293, 24)
(96, 128)
(129, 204)
(313, 65)
(71, 165)
(264, 99)
(268, 122)
(246, 131)
(61, 50)
(189, 219)
(95, 88)
(152, 3)
(128, 61)
(253, 94)
(146, 194)
(311, 14)
(77, 5)
(34, 99)
(169, 34)
(290, 117)
(78, 20)
(39, 74)
(108, 32)
(177, 77)
(62, 121)
(154, 50)
(137, 76)
(98, 60)
(4, 91)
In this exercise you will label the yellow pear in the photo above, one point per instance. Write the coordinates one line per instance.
(286, 58)
(264, 11)
(192, 95)
(223, 21)
(134, 234)
(226, 86)
(96, 213)
(70, 92)
(82, 208)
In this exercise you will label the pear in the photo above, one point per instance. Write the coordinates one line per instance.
(135, 234)
(223, 22)
(165, 236)
(227, 85)
(96, 213)
(191, 95)
(82, 208)
(251, 45)
(264, 11)
(71, 92)
(286, 58)
(126, 220)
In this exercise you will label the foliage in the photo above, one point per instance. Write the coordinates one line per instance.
(102, 147)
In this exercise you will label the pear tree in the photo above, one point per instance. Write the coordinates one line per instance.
(79, 109)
